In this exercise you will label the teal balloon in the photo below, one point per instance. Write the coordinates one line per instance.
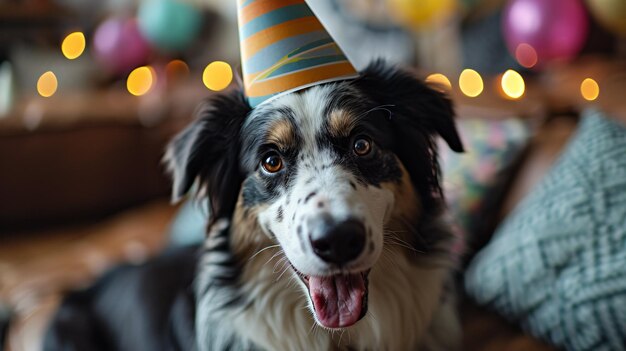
(169, 25)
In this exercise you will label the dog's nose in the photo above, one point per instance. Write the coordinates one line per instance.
(338, 243)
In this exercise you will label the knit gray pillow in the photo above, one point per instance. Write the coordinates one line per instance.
(557, 265)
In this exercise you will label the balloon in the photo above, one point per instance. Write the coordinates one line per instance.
(555, 29)
(610, 13)
(420, 13)
(170, 25)
(119, 46)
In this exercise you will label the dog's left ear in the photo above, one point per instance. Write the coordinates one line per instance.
(206, 153)
(418, 115)
(411, 100)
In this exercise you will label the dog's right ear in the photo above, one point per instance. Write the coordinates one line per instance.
(207, 152)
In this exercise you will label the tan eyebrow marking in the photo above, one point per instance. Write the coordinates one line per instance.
(282, 134)
(340, 123)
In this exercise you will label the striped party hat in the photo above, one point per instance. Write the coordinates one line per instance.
(285, 48)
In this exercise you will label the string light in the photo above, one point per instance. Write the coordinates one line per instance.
(73, 45)
(526, 55)
(513, 84)
(217, 75)
(589, 89)
(440, 81)
(47, 84)
(471, 83)
(176, 69)
(141, 80)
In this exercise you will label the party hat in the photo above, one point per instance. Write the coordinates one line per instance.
(284, 48)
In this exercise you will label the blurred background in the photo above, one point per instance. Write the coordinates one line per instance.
(91, 91)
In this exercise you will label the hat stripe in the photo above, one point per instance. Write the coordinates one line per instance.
(261, 7)
(305, 63)
(338, 70)
(321, 48)
(270, 19)
(255, 101)
(274, 53)
(262, 40)
(244, 3)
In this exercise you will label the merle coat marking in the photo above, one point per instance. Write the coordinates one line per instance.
(250, 285)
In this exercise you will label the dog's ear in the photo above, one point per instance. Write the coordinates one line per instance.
(411, 100)
(206, 153)
(417, 115)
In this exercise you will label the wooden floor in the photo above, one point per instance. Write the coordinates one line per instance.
(36, 268)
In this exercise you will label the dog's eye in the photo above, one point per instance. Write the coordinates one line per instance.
(362, 146)
(272, 162)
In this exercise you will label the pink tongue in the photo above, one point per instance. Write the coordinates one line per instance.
(338, 299)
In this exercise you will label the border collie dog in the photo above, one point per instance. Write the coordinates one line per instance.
(326, 230)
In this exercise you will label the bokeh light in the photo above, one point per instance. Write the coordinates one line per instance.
(73, 45)
(513, 84)
(176, 70)
(526, 55)
(589, 89)
(217, 75)
(47, 84)
(140, 80)
(439, 81)
(471, 83)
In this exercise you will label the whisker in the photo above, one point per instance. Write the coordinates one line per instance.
(280, 252)
(412, 229)
(395, 240)
(314, 328)
(281, 260)
(263, 249)
(285, 268)
(412, 249)
(341, 336)
(293, 282)
(377, 108)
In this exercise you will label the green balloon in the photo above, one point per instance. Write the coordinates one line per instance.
(169, 25)
(610, 13)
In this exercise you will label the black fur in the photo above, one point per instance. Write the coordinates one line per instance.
(208, 151)
(418, 114)
(5, 318)
(146, 307)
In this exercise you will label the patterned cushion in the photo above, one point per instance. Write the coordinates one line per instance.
(468, 178)
(557, 265)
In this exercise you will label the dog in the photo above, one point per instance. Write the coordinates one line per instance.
(326, 230)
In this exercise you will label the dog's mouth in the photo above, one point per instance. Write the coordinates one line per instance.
(339, 300)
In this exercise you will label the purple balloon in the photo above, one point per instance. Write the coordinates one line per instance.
(556, 29)
(119, 46)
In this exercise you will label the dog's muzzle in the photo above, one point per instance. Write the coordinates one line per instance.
(339, 300)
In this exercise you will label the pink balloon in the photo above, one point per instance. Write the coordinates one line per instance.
(556, 29)
(119, 46)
